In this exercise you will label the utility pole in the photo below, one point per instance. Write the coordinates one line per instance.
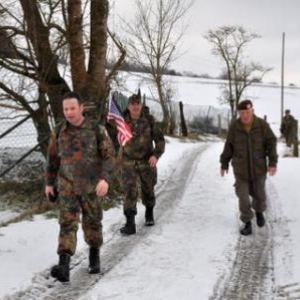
(282, 76)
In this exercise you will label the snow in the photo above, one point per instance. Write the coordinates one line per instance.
(186, 251)
(193, 246)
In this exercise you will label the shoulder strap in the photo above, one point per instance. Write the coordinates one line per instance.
(97, 131)
(58, 128)
(149, 117)
(151, 120)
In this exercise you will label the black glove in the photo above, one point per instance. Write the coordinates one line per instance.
(53, 198)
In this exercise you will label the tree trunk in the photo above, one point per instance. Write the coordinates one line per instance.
(41, 122)
(49, 79)
(97, 87)
(75, 40)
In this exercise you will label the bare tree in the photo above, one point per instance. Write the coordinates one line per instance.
(229, 43)
(155, 34)
(55, 46)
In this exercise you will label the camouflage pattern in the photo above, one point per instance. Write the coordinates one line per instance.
(135, 157)
(145, 130)
(70, 208)
(78, 157)
(288, 129)
(131, 172)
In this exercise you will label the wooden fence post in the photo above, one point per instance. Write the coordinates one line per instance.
(295, 144)
(184, 130)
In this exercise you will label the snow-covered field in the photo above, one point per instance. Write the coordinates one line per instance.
(195, 250)
(200, 97)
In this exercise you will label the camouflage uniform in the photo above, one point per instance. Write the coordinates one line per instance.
(135, 160)
(251, 153)
(77, 158)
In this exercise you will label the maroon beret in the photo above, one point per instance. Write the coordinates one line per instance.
(244, 105)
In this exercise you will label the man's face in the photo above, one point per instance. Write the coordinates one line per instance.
(73, 110)
(135, 109)
(246, 116)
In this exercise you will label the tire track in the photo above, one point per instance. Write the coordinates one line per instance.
(251, 276)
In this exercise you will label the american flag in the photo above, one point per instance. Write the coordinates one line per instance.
(114, 113)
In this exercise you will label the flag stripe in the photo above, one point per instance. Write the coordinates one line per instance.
(124, 131)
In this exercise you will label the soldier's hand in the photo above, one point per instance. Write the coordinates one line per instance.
(153, 161)
(223, 172)
(272, 171)
(102, 188)
(51, 193)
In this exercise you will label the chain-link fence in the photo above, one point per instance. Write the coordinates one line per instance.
(199, 118)
(19, 136)
(14, 133)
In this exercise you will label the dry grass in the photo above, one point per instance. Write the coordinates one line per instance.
(29, 213)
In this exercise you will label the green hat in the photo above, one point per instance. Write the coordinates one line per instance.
(134, 98)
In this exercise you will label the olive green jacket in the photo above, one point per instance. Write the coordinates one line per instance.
(250, 153)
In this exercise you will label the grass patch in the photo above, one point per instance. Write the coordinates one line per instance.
(28, 214)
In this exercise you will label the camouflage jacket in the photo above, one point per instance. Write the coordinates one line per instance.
(251, 152)
(145, 131)
(78, 157)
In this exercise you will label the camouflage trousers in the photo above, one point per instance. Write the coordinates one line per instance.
(70, 207)
(255, 189)
(134, 172)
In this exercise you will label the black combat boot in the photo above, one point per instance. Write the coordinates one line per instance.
(260, 219)
(62, 270)
(247, 229)
(129, 227)
(94, 266)
(149, 216)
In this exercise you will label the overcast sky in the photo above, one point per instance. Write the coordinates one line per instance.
(268, 18)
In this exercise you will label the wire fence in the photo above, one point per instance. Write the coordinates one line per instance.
(199, 118)
(19, 136)
(24, 135)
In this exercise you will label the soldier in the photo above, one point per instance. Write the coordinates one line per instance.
(139, 160)
(251, 145)
(288, 129)
(81, 159)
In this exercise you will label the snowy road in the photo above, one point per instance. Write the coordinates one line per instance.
(193, 252)
(201, 228)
